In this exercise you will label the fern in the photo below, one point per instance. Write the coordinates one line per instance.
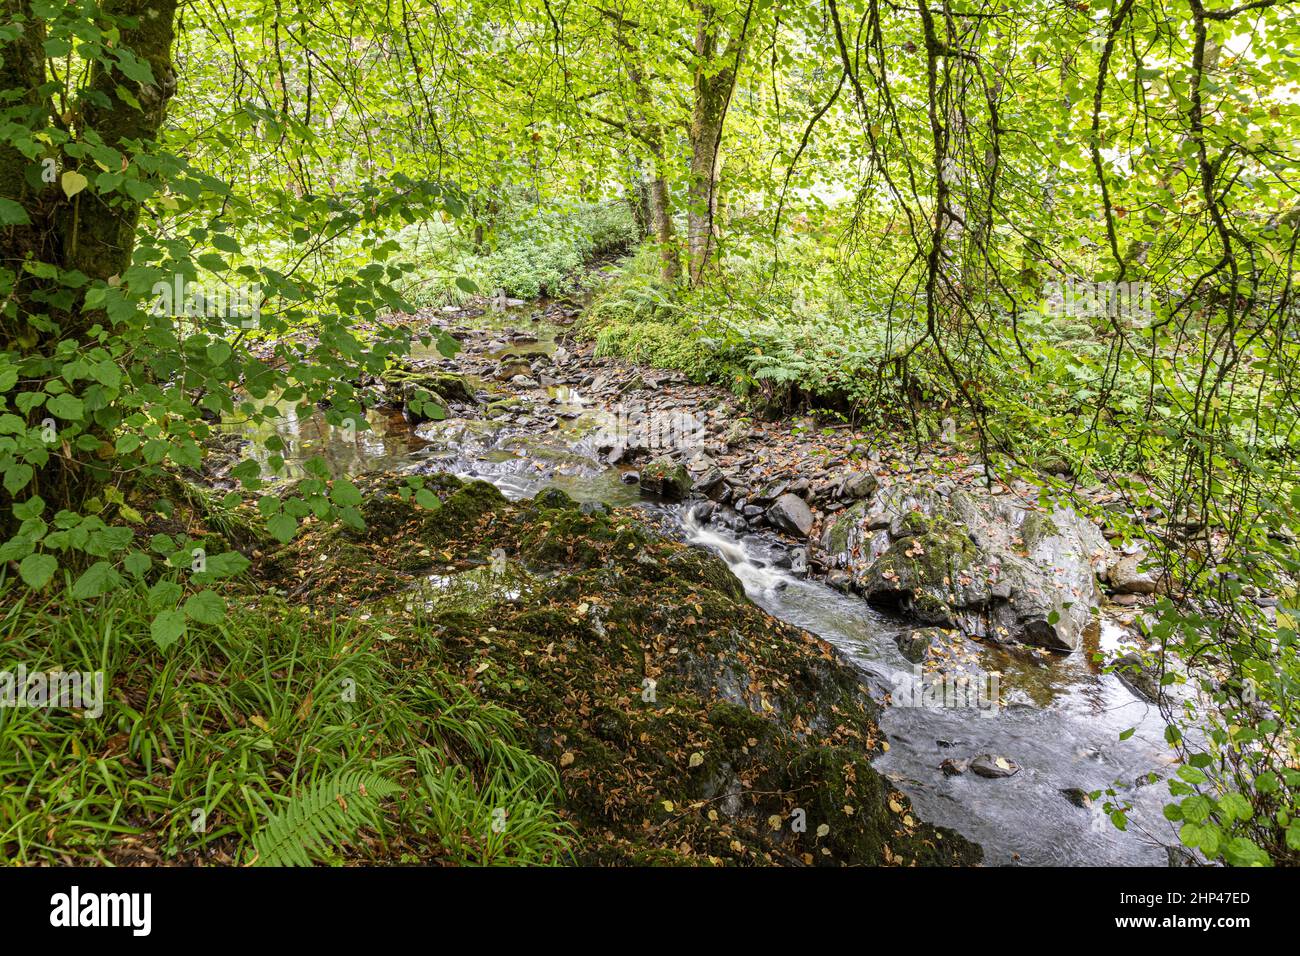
(326, 815)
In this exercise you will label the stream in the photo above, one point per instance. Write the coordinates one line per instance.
(1059, 719)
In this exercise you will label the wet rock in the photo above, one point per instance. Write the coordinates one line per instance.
(508, 368)
(843, 533)
(915, 645)
(993, 768)
(997, 569)
(789, 514)
(707, 477)
(702, 511)
(414, 389)
(1180, 856)
(840, 581)
(952, 767)
(1126, 576)
(1139, 675)
(666, 478)
(730, 520)
(1078, 796)
(630, 477)
(523, 381)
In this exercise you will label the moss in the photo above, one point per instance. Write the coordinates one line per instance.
(681, 718)
(926, 557)
(1036, 527)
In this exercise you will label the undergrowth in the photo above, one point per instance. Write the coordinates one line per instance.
(277, 736)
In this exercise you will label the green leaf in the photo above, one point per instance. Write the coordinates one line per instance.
(282, 527)
(1242, 852)
(67, 406)
(164, 593)
(167, 628)
(345, 494)
(73, 182)
(206, 607)
(37, 569)
(17, 477)
(13, 214)
(218, 352)
(100, 578)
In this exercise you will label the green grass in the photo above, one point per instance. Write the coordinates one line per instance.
(232, 725)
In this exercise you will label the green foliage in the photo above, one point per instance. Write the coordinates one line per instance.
(225, 749)
(321, 818)
(542, 254)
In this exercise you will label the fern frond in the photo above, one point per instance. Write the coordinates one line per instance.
(325, 815)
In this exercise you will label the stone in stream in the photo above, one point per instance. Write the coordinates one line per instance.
(915, 645)
(412, 388)
(1139, 675)
(508, 368)
(993, 768)
(789, 514)
(666, 478)
(1078, 796)
(707, 477)
(842, 533)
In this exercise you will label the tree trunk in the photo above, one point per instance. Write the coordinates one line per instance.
(661, 219)
(715, 77)
(89, 233)
(99, 236)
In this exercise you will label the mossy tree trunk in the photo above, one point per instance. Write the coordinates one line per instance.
(716, 67)
(89, 233)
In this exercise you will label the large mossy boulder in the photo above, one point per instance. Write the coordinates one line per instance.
(422, 392)
(997, 567)
(687, 725)
(666, 478)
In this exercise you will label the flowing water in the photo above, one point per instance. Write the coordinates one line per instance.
(1058, 718)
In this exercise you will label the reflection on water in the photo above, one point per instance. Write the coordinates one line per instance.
(386, 445)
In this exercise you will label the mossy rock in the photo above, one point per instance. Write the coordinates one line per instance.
(682, 719)
(666, 478)
(919, 571)
(414, 390)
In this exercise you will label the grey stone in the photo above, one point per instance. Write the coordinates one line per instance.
(789, 514)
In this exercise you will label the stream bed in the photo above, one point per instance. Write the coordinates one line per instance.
(1058, 718)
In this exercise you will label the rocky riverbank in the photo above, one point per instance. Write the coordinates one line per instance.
(925, 531)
